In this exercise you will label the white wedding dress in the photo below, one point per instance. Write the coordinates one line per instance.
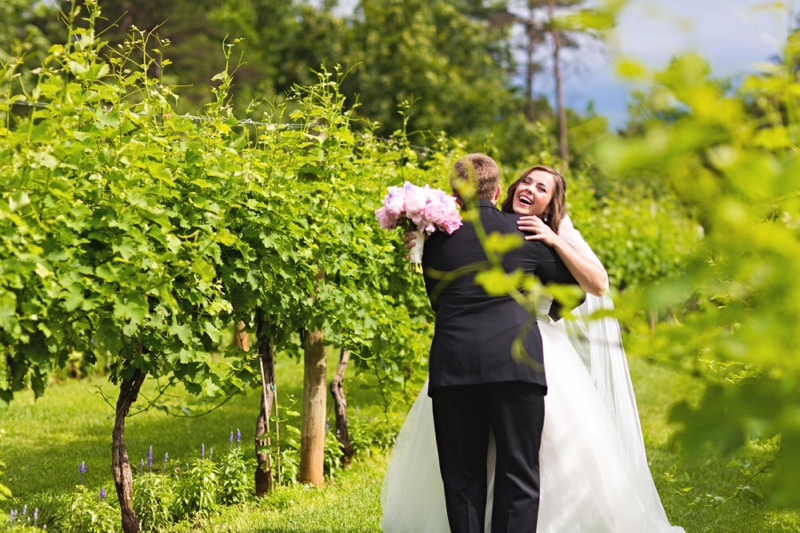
(594, 473)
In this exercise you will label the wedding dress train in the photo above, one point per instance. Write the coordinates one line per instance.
(590, 482)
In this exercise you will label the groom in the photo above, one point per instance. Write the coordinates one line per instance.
(475, 384)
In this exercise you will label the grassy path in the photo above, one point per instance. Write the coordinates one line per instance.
(44, 442)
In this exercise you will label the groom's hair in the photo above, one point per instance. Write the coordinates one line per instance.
(475, 174)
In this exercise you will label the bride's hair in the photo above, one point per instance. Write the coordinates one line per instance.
(557, 209)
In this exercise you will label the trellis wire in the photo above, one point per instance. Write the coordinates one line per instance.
(422, 150)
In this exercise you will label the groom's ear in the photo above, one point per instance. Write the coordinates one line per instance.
(496, 194)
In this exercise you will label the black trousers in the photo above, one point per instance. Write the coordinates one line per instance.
(462, 416)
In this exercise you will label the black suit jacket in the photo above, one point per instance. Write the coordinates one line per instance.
(474, 331)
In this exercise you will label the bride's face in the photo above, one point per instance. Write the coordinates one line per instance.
(534, 193)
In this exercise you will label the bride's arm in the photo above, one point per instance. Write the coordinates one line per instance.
(590, 274)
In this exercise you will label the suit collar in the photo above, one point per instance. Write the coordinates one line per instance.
(486, 203)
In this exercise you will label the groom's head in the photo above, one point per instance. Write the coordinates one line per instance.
(475, 175)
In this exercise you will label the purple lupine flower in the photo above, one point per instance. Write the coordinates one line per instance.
(24, 509)
(82, 470)
(103, 493)
(202, 451)
(150, 459)
(230, 441)
(13, 515)
(327, 426)
(166, 458)
(238, 437)
(141, 466)
(35, 516)
(211, 454)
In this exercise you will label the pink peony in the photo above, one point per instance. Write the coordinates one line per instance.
(428, 209)
(395, 201)
(415, 203)
(385, 219)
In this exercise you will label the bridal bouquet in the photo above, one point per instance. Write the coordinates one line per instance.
(422, 211)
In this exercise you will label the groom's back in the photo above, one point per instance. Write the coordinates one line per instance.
(475, 331)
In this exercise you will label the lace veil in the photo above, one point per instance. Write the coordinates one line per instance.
(599, 343)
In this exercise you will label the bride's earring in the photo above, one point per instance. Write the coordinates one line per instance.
(546, 218)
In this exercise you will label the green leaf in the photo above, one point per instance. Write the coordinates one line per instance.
(183, 331)
(226, 238)
(77, 69)
(8, 311)
(570, 296)
(501, 243)
(45, 159)
(204, 269)
(42, 270)
(496, 282)
(213, 332)
(133, 307)
(17, 200)
(110, 119)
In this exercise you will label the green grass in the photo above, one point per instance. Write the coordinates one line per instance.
(656, 390)
(349, 503)
(43, 443)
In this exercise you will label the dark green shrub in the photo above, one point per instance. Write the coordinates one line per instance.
(374, 434)
(333, 454)
(234, 483)
(91, 513)
(196, 489)
(153, 498)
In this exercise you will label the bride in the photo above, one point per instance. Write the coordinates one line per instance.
(594, 472)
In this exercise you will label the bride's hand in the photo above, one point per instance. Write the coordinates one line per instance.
(540, 231)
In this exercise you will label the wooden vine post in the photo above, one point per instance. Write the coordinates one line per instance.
(312, 431)
(312, 436)
(340, 408)
(240, 337)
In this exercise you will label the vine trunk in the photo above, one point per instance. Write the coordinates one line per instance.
(120, 466)
(264, 478)
(340, 408)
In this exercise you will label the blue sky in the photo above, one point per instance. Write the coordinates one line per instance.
(733, 35)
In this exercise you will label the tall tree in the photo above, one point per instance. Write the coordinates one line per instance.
(562, 113)
(21, 39)
(538, 19)
(431, 52)
(534, 32)
(284, 44)
(268, 29)
(534, 37)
